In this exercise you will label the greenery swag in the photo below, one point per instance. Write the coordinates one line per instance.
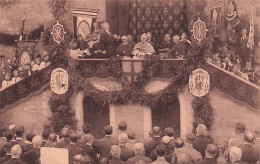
(62, 114)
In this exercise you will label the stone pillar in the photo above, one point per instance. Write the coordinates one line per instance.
(77, 105)
(183, 114)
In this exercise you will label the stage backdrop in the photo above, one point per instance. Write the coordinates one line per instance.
(139, 16)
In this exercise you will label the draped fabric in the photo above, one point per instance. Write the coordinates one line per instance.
(158, 17)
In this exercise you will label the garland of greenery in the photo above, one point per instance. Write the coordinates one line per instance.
(62, 114)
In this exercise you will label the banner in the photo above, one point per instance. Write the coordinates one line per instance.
(82, 20)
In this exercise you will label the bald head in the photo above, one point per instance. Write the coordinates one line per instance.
(105, 26)
(201, 130)
(139, 148)
(115, 151)
(37, 141)
(249, 137)
(235, 153)
(166, 140)
(16, 151)
(52, 137)
(123, 138)
(211, 150)
(156, 131)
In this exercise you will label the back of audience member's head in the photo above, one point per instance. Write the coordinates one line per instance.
(81, 159)
(45, 134)
(184, 158)
(160, 152)
(156, 131)
(12, 127)
(166, 140)
(249, 137)
(240, 128)
(115, 151)
(74, 137)
(169, 131)
(179, 142)
(9, 135)
(211, 151)
(86, 128)
(138, 148)
(108, 130)
(52, 137)
(131, 135)
(19, 130)
(235, 154)
(16, 151)
(257, 132)
(30, 136)
(37, 141)
(201, 130)
(122, 126)
(123, 138)
(190, 138)
(65, 132)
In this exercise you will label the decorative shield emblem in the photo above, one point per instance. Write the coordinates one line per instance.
(199, 82)
(58, 32)
(199, 30)
(59, 81)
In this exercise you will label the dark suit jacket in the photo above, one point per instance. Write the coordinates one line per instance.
(137, 157)
(104, 145)
(124, 50)
(166, 45)
(25, 146)
(63, 143)
(92, 152)
(208, 161)
(201, 143)
(249, 154)
(32, 156)
(14, 161)
(74, 150)
(25, 73)
(151, 145)
(107, 42)
(2, 146)
(126, 153)
(169, 150)
(116, 161)
(237, 162)
(5, 158)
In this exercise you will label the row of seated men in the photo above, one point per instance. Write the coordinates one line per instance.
(105, 45)
(122, 147)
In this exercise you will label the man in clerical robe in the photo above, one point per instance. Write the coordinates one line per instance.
(124, 49)
(167, 42)
(143, 48)
(178, 48)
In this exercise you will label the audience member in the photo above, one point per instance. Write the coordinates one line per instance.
(131, 141)
(202, 140)
(169, 131)
(64, 141)
(125, 153)
(160, 152)
(29, 138)
(255, 76)
(115, 154)
(179, 143)
(240, 130)
(45, 61)
(235, 155)
(45, 136)
(151, 145)
(2, 73)
(184, 159)
(244, 51)
(8, 155)
(121, 128)
(89, 149)
(7, 81)
(256, 144)
(9, 65)
(188, 149)
(16, 152)
(19, 130)
(104, 144)
(249, 154)
(36, 66)
(81, 159)
(3, 141)
(248, 70)
(139, 155)
(210, 154)
(16, 77)
(73, 148)
(26, 70)
(33, 156)
(51, 140)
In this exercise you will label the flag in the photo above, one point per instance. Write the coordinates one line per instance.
(82, 20)
(22, 29)
(250, 42)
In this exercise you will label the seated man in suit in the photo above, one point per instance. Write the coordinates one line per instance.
(96, 28)
(97, 50)
(167, 42)
(124, 49)
(178, 48)
(143, 48)
(130, 40)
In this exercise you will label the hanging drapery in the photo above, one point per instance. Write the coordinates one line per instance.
(158, 17)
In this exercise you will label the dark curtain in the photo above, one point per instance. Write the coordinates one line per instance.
(117, 15)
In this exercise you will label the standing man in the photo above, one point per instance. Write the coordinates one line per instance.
(107, 40)
(244, 52)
